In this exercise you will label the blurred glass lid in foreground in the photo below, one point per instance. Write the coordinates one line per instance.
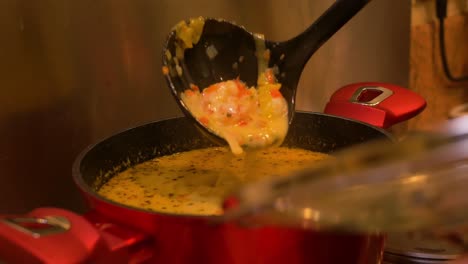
(419, 183)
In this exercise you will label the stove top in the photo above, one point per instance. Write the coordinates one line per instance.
(416, 249)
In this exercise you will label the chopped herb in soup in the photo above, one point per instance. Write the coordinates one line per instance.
(196, 182)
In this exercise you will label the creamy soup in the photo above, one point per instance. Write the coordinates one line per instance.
(196, 182)
(245, 117)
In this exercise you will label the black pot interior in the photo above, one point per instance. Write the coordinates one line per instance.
(316, 132)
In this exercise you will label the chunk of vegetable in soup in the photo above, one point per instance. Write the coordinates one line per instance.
(245, 117)
(196, 182)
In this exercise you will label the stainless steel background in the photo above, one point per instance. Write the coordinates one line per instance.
(73, 72)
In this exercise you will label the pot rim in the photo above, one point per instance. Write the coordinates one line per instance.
(83, 186)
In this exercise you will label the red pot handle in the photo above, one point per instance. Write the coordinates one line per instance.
(51, 235)
(378, 104)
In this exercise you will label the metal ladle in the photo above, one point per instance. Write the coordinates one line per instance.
(235, 45)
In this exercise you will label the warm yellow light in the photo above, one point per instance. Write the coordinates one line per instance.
(415, 179)
(310, 214)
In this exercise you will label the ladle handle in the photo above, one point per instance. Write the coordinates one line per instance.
(301, 47)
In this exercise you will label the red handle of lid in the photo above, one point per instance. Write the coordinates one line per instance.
(51, 235)
(378, 104)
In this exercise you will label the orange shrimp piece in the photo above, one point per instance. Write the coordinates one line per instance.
(275, 94)
(241, 88)
(194, 87)
(189, 93)
(270, 76)
(211, 89)
(165, 70)
(204, 120)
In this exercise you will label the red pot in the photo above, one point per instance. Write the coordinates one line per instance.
(114, 233)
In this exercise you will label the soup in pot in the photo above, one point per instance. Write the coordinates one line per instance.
(196, 182)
